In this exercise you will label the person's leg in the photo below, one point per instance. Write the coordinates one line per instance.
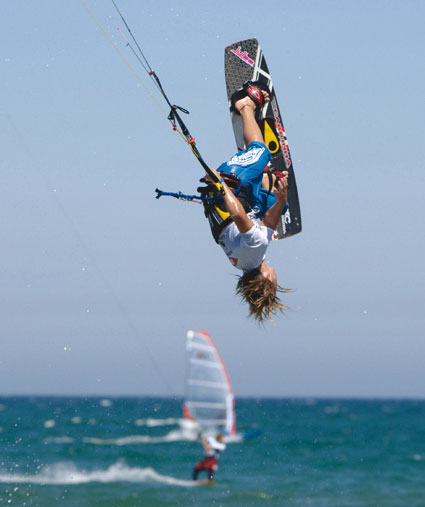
(249, 165)
(198, 468)
(251, 129)
(252, 132)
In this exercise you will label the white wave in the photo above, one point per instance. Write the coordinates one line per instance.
(105, 403)
(68, 473)
(151, 422)
(184, 424)
(59, 440)
(172, 436)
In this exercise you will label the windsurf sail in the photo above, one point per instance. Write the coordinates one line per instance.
(209, 398)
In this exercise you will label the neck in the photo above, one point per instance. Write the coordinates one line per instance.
(263, 266)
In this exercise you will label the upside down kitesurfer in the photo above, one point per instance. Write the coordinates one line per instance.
(254, 213)
(212, 448)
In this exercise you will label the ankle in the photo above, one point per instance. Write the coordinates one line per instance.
(247, 109)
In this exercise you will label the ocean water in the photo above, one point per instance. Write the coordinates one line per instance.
(136, 452)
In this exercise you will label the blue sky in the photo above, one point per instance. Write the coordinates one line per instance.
(100, 281)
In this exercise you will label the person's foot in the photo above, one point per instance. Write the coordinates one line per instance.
(248, 102)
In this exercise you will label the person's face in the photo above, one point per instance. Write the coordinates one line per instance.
(269, 273)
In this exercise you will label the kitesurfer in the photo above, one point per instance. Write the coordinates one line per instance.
(212, 448)
(255, 213)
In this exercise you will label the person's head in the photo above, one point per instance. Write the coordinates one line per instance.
(259, 289)
(220, 437)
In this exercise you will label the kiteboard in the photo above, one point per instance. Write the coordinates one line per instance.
(244, 61)
(205, 482)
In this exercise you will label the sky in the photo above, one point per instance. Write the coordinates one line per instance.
(100, 281)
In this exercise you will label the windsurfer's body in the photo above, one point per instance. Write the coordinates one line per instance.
(246, 239)
(212, 448)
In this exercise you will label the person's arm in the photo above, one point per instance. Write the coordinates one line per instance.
(272, 216)
(206, 445)
(235, 208)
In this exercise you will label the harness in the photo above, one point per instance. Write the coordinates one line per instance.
(214, 207)
(213, 201)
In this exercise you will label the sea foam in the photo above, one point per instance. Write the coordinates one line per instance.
(68, 473)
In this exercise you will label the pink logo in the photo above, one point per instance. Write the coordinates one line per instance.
(243, 56)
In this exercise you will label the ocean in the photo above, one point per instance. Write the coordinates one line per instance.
(137, 452)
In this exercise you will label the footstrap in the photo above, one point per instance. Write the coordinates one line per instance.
(252, 89)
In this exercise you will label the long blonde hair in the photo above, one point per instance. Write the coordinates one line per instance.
(261, 295)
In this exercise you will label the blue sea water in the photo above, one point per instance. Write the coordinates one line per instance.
(134, 451)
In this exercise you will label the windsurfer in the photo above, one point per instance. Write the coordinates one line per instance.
(246, 238)
(212, 448)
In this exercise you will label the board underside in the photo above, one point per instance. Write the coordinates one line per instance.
(244, 61)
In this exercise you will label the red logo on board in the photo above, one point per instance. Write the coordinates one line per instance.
(282, 137)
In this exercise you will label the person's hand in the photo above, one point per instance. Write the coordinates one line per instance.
(208, 178)
(281, 188)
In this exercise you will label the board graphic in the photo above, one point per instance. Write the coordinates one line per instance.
(244, 61)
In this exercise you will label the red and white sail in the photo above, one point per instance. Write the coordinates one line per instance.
(209, 396)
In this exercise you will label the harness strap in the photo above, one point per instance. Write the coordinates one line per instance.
(213, 201)
(215, 209)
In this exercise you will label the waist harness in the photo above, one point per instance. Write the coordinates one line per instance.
(215, 209)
